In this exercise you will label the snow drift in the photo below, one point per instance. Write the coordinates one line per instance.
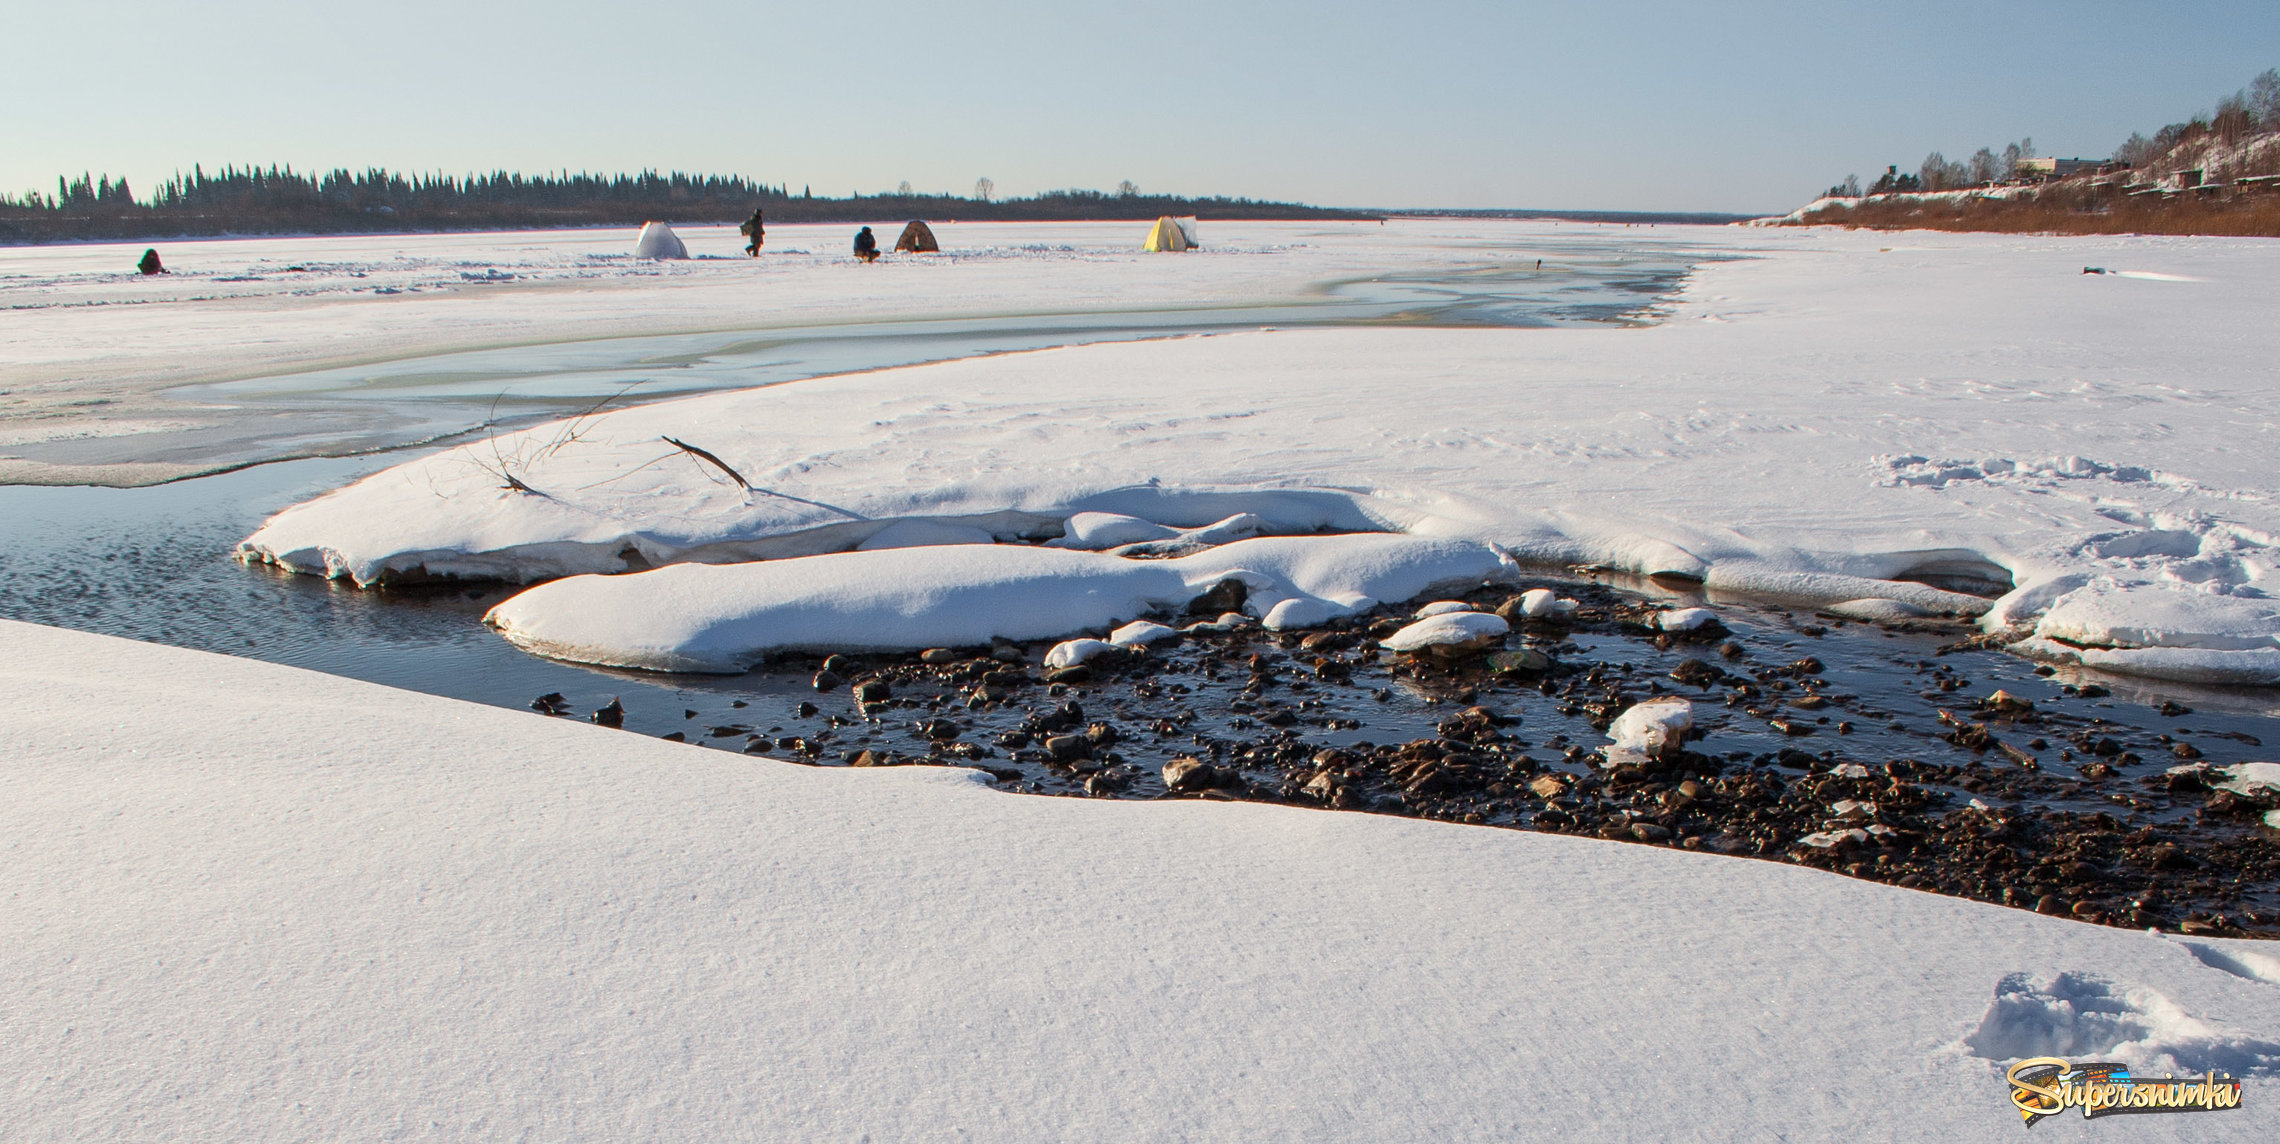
(254, 903)
(705, 618)
(1751, 443)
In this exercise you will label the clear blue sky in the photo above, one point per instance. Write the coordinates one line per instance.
(1647, 105)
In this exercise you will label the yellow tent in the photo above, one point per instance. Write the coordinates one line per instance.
(1170, 234)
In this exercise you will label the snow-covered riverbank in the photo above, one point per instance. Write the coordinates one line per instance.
(1825, 421)
(255, 902)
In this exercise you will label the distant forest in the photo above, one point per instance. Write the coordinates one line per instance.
(280, 200)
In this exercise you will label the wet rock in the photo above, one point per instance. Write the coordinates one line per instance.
(1068, 748)
(674, 737)
(1732, 649)
(938, 730)
(827, 681)
(1649, 832)
(873, 691)
(551, 703)
(1696, 673)
(806, 709)
(1187, 774)
(1074, 673)
(2005, 703)
(1523, 661)
(937, 656)
(611, 714)
(2170, 708)
(841, 666)
(1225, 596)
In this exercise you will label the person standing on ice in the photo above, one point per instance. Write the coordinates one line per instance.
(757, 232)
(866, 247)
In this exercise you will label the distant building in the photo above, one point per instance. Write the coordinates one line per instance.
(2041, 168)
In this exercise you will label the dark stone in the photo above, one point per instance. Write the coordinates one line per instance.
(841, 666)
(873, 691)
(1697, 673)
(827, 681)
(939, 730)
(551, 703)
(674, 737)
(1068, 748)
(2169, 708)
(1225, 596)
(805, 709)
(1074, 673)
(611, 714)
(937, 656)
(1188, 774)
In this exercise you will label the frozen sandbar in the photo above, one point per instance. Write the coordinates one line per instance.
(253, 903)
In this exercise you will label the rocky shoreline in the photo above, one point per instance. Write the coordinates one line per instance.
(1915, 756)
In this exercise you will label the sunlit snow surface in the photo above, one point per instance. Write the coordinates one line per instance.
(1816, 418)
(256, 349)
(254, 903)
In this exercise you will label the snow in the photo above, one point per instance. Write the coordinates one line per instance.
(1141, 633)
(1441, 607)
(2245, 778)
(1069, 653)
(1098, 530)
(657, 240)
(1789, 432)
(1544, 604)
(725, 618)
(1685, 619)
(1649, 730)
(260, 348)
(1457, 631)
(253, 903)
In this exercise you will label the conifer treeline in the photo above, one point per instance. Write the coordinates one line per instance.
(279, 200)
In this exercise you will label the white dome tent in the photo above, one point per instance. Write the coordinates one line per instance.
(658, 241)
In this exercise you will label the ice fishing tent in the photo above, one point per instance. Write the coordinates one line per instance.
(917, 238)
(658, 241)
(1171, 234)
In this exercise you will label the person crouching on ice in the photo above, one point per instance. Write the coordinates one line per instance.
(757, 232)
(866, 247)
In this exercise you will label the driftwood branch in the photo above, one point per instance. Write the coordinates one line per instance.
(704, 455)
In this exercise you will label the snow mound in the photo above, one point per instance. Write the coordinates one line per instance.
(1141, 633)
(2107, 614)
(922, 533)
(1649, 730)
(1440, 608)
(658, 241)
(1070, 653)
(725, 618)
(2246, 778)
(2082, 1016)
(1544, 604)
(1685, 619)
(1878, 611)
(2161, 632)
(1449, 631)
(1094, 531)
